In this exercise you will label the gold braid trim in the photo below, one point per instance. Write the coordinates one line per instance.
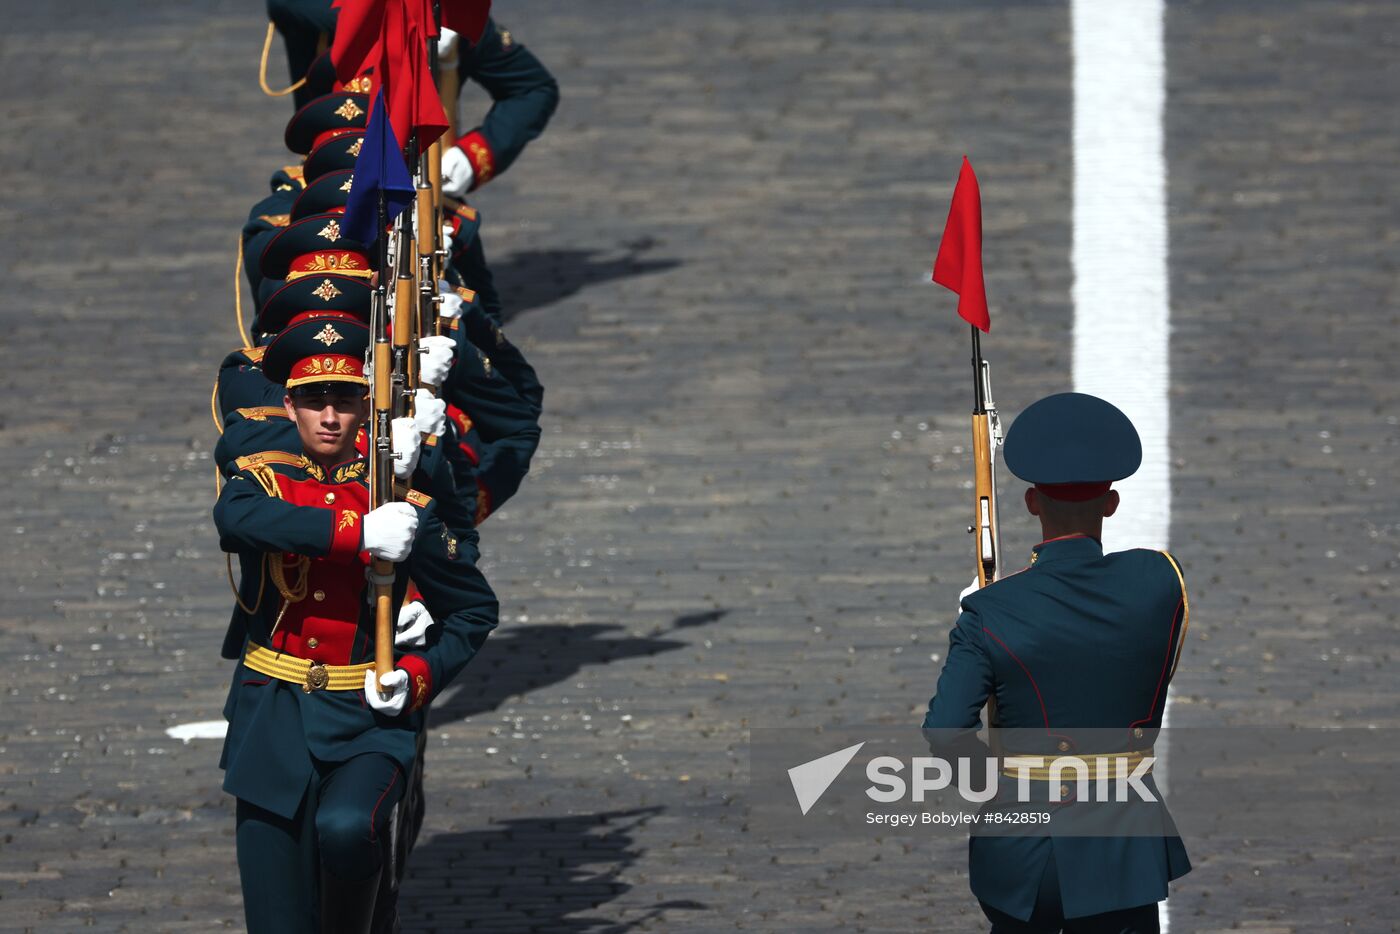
(279, 578)
(1185, 614)
(262, 68)
(265, 477)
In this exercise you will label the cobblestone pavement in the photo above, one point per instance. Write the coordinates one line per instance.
(748, 506)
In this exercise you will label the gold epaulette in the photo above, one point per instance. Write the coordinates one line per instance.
(431, 441)
(276, 220)
(271, 457)
(261, 413)
(255, 354)
(418, 499)
(295, 173)
(466, 294)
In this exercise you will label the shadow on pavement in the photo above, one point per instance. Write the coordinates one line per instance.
(534, 278)
(530, 874)
(524, 658)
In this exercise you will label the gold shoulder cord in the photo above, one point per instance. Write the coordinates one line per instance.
(243, 334)
(262, 583)
(262, 68)
(268, 481)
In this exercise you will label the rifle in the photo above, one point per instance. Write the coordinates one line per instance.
(381, 452)
(986, 438)
(411, 306)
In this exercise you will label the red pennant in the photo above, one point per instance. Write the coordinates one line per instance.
(958, 266)
(391, 37)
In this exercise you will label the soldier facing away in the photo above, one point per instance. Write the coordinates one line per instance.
(1080, 643)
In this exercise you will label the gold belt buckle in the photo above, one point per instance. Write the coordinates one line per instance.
(317, 677)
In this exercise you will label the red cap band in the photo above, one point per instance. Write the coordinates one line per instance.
(1073, 492)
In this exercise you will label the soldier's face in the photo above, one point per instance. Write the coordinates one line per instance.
(327, 419)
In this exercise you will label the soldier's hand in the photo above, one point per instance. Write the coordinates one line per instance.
(429, 413)
(393, 702)
(389, 530)
(407, 446)
(969, 589)
(435, 358)
(457, 172)
(451, 306)
(412, 626)
(447, 45)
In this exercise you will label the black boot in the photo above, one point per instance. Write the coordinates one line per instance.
(347, 907)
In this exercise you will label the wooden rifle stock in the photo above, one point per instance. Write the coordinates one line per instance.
(984, 521)
(381, 492)
(986, 437)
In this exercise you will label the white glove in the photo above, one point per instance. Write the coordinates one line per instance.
(435, 358)
(397, 683)
(429, 413)
(447, 45)
(451, 306)
(447, 239)
(457, 172)
(412, 627)
(389, 530)
(407, 446)
(969, 589)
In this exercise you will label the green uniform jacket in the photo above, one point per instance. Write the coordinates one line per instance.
(1078, 641)
(275, 728)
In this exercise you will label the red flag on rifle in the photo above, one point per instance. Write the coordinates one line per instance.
(958, 265)
(391, 37)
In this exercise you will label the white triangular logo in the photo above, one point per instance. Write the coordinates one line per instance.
(810, 780)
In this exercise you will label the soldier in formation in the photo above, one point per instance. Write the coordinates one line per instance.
(324, 757)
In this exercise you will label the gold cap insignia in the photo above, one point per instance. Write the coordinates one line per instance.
(348, 182)
(354, 149)
(326, 291)
(348, 110)
(328, 336)
(331, 231)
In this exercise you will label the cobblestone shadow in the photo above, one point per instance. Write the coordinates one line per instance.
(525, 658)
(530, 874)
(531, 279)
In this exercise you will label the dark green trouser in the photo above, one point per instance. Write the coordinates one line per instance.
(345, 810)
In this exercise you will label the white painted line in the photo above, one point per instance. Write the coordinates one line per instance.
(1120, 244)
(1121, 300)
(204, 729)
